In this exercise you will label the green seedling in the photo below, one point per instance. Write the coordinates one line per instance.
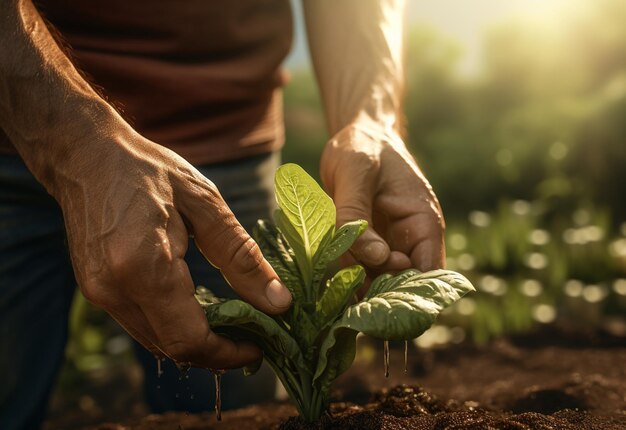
(311, 344)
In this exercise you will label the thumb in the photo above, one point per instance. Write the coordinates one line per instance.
(353, 200)
(227, 245)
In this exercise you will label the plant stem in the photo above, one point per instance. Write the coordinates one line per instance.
(290, 382)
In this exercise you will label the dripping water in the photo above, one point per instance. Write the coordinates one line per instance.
(159, 369)
(217, 374)
(386, 358)
(406, 355)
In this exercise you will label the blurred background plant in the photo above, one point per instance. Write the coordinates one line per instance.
(522, 134)
(516, 112)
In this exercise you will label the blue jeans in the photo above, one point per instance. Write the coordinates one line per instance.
(37, 285)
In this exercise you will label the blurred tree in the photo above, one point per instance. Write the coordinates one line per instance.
(545, 118)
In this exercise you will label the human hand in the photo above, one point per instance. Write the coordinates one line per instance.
(371, 175)
(130, 207)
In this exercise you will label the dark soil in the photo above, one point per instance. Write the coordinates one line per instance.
(547, 381)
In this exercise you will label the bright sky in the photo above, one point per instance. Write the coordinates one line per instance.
(467, 20)
(463, 20)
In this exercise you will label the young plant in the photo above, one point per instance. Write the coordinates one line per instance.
(315, 340)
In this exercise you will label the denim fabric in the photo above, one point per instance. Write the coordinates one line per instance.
(37, 284)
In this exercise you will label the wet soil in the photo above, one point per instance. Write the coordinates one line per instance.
(554, 380)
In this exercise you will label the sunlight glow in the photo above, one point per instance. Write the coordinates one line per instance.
(467, 21)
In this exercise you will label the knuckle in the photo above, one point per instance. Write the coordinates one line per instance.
(94, 293)
(208, 191)
(352, 211)
(244, 256)
(149, 265)
(120, 263)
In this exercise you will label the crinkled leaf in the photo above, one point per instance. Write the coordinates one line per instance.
(401, 308)
(341, 241)
(406, 304)
(377, 284)
(282, 258)
(240, 320)
(340, 288)
(307, 214)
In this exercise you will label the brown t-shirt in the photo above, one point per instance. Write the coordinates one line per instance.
(201, 77)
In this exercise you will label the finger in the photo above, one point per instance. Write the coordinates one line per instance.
(397, 261)
(181, 328)
(139, 329)
(353, 199)
(426, 242)
(226, 244)
(126, 313)
(429, 254)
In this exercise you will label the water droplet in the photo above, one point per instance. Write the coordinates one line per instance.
(177, 395)
(386, 358)
(158, 387)
(159, 370)
(217, 374)
(191, 397)
(406, 355)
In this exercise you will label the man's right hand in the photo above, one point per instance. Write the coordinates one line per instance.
(129, 207)
(129, 204)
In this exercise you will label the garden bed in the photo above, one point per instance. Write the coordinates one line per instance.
(552, 380)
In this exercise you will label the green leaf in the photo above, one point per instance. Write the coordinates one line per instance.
(402, 307)
(340, 288)
(376, 285)
(407, 304)
(297, 245)
(330, 366)
(304, 331)
(307, 214)
(282, 258)
(339, 244)
(240, 320)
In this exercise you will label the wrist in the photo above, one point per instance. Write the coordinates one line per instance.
(74, 140)
(365, 130)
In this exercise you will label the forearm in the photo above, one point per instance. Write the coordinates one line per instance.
(357, 52)
(46, 107)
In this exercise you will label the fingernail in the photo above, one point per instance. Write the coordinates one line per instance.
(277, 294)
(375, 252)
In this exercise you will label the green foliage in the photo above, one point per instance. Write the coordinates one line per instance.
(315, 341)
(533, 265)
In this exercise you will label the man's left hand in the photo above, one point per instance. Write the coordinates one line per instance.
(370, 175)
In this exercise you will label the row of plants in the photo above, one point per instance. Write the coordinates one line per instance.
(532, 268)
